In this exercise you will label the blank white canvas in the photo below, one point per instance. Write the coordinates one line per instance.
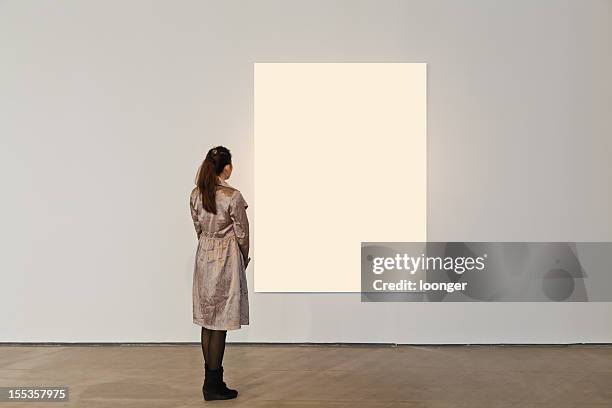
(340, 158)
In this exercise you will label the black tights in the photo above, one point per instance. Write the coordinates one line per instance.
(213, 347)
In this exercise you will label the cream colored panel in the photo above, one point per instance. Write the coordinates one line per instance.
(340, 158)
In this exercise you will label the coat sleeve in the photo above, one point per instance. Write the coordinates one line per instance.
(194, 214)
(237, 211)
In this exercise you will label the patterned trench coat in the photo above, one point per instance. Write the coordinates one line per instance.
(220, 294)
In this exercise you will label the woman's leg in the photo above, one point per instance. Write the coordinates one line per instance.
(205, 336)
(213, 347)
(216, 349)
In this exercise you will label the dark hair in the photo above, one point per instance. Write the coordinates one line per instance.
(216, 159)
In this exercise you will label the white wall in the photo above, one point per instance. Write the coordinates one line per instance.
(107, 108)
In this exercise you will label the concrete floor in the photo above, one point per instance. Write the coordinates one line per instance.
(320, 376)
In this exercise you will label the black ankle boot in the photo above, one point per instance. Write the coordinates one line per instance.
(214, 388)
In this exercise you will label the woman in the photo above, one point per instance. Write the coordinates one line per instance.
(220, 295)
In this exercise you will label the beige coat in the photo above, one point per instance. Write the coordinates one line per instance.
(220, 294)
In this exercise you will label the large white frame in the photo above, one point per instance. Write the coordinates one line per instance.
(340, 158)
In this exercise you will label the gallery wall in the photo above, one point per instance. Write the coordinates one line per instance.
(108, 107)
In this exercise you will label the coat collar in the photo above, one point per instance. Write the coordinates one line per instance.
(222, 182)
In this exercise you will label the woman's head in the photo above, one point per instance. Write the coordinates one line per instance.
(218, 162)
